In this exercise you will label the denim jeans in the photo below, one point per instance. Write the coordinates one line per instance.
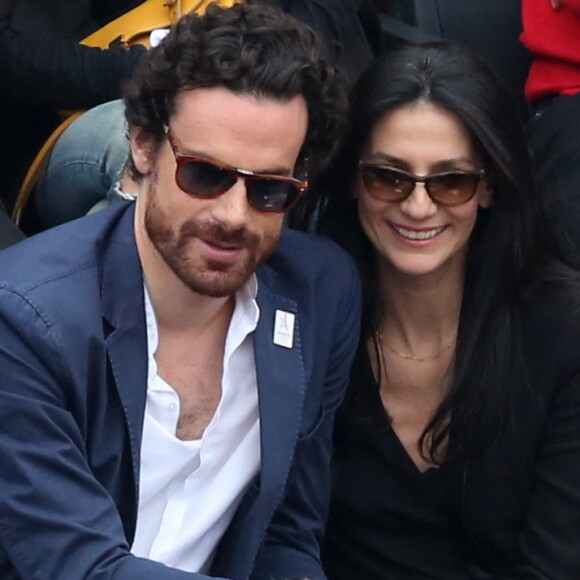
(84, 166)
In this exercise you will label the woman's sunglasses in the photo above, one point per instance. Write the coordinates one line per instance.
(205, 178)
(449, 188)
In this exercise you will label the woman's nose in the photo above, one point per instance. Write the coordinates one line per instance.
(419, 206)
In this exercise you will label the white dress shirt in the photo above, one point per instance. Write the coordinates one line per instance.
(190, 490)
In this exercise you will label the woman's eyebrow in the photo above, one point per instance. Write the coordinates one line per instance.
(381, 157)
(454, 163)
(443, 165)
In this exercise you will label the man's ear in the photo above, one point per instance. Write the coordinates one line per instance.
(141, 150)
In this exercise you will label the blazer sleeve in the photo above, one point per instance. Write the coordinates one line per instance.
(291, 548)
(56, 519)
(550, 543)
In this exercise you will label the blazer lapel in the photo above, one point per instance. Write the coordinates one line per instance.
(281, 389)
(281, 386)
(125, 330)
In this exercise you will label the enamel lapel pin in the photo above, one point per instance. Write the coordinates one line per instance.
(284, 328)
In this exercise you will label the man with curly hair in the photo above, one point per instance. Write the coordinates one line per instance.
(169, 369)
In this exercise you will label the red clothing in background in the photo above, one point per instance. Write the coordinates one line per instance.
(553, 37)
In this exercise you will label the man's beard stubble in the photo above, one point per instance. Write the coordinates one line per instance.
(216, 280)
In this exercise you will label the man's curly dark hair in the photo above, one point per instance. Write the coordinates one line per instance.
(249, 49)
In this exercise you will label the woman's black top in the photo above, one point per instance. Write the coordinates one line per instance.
(511, 513)
(388, 520)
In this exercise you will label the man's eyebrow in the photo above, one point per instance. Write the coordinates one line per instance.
(282, 171)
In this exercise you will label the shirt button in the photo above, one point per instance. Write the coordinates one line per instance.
(172, 406)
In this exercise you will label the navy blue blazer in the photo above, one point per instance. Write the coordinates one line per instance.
(73, 376)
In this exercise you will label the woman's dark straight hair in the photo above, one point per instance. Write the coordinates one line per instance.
(507, 252)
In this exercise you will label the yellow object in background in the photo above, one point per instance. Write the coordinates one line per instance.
(135, 26)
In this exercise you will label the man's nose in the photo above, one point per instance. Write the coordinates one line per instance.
(232, 208)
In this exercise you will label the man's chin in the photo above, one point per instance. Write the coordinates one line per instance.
(216, 284)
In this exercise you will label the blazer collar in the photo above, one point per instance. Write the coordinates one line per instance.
(125, 330)
(281, 381)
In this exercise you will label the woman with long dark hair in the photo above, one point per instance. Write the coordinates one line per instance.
(458, 446)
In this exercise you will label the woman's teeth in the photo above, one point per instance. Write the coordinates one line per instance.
(417, 234)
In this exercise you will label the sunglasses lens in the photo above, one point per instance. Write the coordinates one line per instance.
(384, 183)
(203, 179)
(453, 188)
(271, 195)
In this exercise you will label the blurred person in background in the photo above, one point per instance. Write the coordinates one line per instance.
(44, 70)
(551, 32)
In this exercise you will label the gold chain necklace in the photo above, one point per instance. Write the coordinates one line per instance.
(410, 356)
